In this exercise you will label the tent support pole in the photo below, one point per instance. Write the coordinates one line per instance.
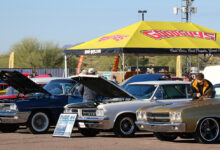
(123, 65)
(137, 64)
(65, 66)
(198, 62)
(187, 64)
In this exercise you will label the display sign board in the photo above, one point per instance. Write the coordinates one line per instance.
(65, 125)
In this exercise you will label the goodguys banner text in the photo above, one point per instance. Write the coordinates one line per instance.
(161, 34)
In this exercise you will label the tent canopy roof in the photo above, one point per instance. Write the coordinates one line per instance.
(153, 37)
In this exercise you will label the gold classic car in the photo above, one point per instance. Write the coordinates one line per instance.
(197, 118)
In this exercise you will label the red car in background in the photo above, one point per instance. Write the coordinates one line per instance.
(13, 93)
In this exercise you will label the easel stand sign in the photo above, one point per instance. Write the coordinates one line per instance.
(65, 125)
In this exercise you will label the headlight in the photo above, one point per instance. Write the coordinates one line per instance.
(13, 107)
(139, 117)
(144, 115)
(100, 112)
(9, 108)
(175, 116)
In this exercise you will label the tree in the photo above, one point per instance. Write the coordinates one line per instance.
(30, 53)
(4, 61)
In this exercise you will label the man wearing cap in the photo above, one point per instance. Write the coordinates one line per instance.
(201, 87)
(88, 94)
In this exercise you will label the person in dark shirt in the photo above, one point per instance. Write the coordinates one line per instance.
(87, 94)
(201, 87)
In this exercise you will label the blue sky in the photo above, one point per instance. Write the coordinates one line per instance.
(74, 21)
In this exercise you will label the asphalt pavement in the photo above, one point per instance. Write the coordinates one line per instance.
(23, 140)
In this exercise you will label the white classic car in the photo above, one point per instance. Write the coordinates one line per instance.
(117, 109)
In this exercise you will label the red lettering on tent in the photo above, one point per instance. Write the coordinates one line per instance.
(161, 34)
(114, 37)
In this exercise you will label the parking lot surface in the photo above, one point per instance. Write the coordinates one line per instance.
(23, 140)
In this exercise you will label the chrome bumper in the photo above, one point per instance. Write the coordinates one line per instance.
(160, 127)
(95, 123)
(14, 117)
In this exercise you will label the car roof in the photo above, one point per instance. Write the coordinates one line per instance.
(47, 79)
(163, 82)
(142, 78)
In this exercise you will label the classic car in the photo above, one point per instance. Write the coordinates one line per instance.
(116, 110)
(42, 107)
(142, 77)
(3, 87)
(199, 119)
(12, 93)
(3, 92)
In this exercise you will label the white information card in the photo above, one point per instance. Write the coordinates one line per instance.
(65, 125)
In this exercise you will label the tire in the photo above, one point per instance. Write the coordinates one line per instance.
(8, 128)
(38, 123)
(208, 131)
(165, 136)
(88, 132)
(125, 126)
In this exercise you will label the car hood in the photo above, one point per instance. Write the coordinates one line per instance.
(82, 105)
(102, 86)
(183, 106)
(21, 83)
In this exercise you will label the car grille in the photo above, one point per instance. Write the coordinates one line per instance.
(158, 117)
(89, 112)
(74, 111)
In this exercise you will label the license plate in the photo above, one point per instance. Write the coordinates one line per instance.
(82, 125)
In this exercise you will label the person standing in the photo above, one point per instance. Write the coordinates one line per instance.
(150, 69)
(114, 79)
(201, 87)
(87, 94)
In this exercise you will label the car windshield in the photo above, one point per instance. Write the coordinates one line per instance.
(141, 91)
(59, 87)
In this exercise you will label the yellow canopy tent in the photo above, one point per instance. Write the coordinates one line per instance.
(152, 38)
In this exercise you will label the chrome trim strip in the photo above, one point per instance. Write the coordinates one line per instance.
(14, 117)
(161, 127)
(92, 119)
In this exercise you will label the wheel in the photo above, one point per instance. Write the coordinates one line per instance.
(208, 131)
(88, 132)
(7, 128)
(165, 136)
(125, 126)
(38, 123)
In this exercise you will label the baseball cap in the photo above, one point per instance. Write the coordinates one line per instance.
(91, 70)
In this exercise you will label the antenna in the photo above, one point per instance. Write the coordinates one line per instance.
(186, 10)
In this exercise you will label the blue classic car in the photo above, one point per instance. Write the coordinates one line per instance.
(40, 109)
(141, 78)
